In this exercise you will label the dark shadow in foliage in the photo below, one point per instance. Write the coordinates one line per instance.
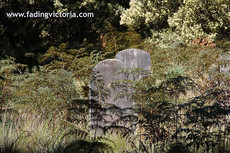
(143, 147)
(209, 110)
(31, 60)
(78, 110)
(178, 147)
(9, 149)
(82, 146)
(2, 78)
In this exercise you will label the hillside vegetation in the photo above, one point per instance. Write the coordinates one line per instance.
(45, 65)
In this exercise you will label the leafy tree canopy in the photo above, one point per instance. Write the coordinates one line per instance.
(22, 35)
(173, 21)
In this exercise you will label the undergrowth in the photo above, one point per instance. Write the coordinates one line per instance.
(182, 105)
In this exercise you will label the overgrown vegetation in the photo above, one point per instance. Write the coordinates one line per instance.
(183, 105)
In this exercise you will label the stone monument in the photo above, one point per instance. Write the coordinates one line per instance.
(106, 105)
(108, 109)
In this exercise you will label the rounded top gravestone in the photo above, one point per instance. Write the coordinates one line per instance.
(107, 72)
(104, 96)
(135, 58)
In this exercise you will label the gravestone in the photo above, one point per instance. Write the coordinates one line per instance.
(135, 58)
(223, 67)
(103, 95)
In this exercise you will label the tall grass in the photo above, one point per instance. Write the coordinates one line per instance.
(8, 135)
(31, 132)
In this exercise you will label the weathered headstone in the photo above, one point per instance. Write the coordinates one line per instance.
(223, 67)
(103, 94)
(135, 58)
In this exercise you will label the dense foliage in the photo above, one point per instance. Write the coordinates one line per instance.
(182, 105)
(22, 35)
(179, 21)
